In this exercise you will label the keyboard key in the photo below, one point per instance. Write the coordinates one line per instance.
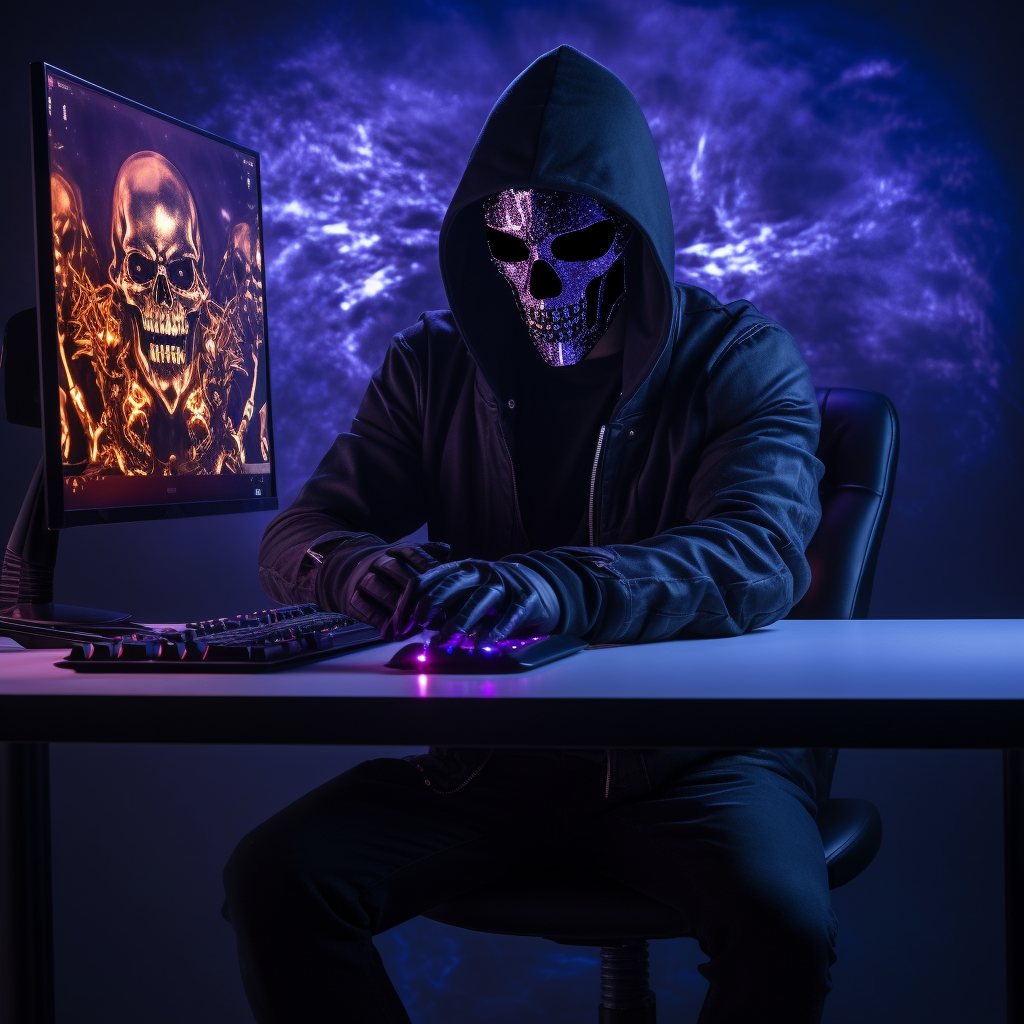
(141, 650)
(97, 651)
(275, 652)
(229, 652)
(195, 650)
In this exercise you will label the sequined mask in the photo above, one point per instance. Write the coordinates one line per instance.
(563, 255)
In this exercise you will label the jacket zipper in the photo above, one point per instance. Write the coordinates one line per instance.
(608, 774)
(593, 482)
(467, 780)
(515, 489)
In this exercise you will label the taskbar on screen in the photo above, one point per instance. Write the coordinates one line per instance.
(108, 492)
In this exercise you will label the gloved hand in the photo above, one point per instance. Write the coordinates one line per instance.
(492, 600)
(373, 586)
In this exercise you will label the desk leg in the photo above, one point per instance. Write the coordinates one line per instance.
(26, 915)
(1013, 854)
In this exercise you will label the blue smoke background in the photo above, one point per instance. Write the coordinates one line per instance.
(816, 174)
(816, 166)
(822, 163)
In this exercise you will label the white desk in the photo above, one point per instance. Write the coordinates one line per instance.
(867, 683)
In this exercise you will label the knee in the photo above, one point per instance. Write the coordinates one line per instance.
(775, 905)
(792, 924)
(804, 922)
(283, 869)
(260, 866)
(777, 942)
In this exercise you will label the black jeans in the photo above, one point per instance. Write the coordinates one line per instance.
(732, 844)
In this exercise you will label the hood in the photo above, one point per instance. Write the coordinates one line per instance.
(568, 124)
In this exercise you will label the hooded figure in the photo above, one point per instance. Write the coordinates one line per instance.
(678, 502)
(704, 492)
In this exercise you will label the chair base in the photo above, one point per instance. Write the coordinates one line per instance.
(626, 997)
(634, 1015)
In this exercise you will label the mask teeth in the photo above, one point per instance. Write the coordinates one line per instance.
(561, 334)
(556, 325)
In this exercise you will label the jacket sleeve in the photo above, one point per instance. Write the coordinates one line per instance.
(737, 562)
(367, 490)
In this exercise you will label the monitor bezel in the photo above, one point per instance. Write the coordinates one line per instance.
(57, 516)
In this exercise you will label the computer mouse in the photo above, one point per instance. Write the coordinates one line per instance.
(486, 656)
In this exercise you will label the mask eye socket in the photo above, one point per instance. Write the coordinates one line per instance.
(140, 269)
(181, 274)
(586, 244)
(507, 248)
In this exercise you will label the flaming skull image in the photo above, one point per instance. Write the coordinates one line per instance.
(161, 370)
(158, 269)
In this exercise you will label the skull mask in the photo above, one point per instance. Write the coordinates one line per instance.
(158, 268)
(563, 254)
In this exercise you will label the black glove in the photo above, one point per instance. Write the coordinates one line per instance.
(492, 600)
(381, 580)
(368, 584)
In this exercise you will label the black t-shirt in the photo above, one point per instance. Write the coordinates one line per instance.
(559, 413)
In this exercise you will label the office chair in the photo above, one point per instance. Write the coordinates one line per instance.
(859, 445)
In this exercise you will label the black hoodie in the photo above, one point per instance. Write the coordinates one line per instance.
(704, 491)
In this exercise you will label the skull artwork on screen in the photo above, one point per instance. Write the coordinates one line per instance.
(158, 268)
(161, 368)
(564, 256)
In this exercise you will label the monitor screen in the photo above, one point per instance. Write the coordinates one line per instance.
(152, 320)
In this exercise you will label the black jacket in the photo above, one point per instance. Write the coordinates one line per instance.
(705, 486)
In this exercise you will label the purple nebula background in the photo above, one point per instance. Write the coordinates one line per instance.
(828, 181)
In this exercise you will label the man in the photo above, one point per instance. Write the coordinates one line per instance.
(595, 451)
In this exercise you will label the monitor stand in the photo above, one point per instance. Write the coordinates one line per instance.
(26, 575)
(26, 578)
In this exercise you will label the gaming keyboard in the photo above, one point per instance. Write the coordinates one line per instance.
(269, 639)
(471, 655)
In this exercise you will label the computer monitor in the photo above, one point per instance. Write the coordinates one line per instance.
(151, 328)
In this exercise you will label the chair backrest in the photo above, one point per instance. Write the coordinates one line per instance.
(859, 446)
